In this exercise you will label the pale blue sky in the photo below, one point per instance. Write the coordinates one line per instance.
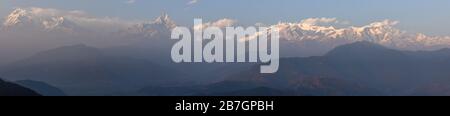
(428, 16)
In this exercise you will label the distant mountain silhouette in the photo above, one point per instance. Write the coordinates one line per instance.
(435, 89)
(160, 54)
(307, 87)
(357, 69)
(84, 70)
(225, 88)
(41, 87)
(11, 89)
(258, 91)
(360, 68)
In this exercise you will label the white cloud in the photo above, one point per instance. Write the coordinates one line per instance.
(193, 2)
(315, 21)
(222, 23)
(55, 18)
(260, 24)
(130, 1)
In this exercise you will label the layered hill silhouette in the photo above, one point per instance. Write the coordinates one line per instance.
(84, 70)
(42, 88)
(12, 89)
(357, 69)
(362, 66)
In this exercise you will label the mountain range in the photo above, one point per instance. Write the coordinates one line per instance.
(364, 64)
(133, 58)
(357, 69)
(308, 37)
(23, 18)
(80, 69)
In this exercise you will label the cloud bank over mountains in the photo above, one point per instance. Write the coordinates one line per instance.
(54, 19)
(308, 37)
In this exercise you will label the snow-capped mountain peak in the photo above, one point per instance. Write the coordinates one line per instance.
(165, 20)
(34, 19)
(161, 26)
(16, 17)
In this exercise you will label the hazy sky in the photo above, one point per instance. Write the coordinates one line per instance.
(427, 16)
